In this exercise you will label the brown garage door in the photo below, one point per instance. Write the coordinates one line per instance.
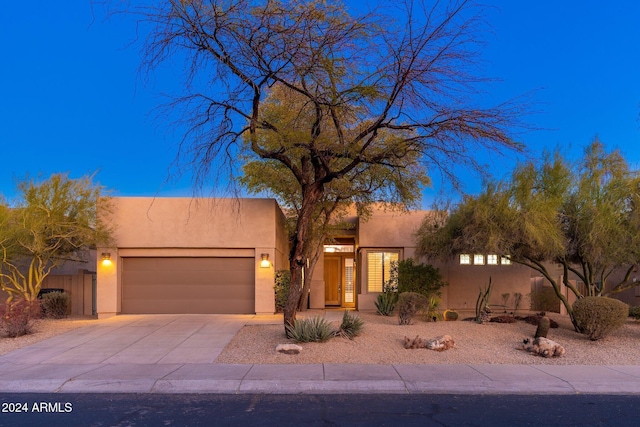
(188, 285)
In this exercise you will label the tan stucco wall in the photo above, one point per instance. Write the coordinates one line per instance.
(193, 227)
(194, 223)
(390, 229)
(384, 230)
(393, 230)
(465, 282)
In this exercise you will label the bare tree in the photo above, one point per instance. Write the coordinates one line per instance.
(390, 89)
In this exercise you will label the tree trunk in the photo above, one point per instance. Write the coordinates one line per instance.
(297, 256)
(302, 306)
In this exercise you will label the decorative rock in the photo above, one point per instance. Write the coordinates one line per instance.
(288, 348)
(543, 347)
(441, 343)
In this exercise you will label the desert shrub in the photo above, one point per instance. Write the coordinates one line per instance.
(18, 317)
(314, 329)
(350, 327)
(410, 303)
(599, 316)
(281, 288)
(56, 305)
(419, 278)
(544, 299)
(634, 312)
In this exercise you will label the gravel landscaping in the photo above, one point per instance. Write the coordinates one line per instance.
(381, 343)
(492, 343)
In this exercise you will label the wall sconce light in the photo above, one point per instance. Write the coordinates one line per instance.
(106, 258)
(265, 261)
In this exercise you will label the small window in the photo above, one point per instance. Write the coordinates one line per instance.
(465, 259)
(492, 259)
(338, 248)
(478, 259)
(505, 260)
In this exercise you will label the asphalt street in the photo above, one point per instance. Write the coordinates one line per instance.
(97, 410)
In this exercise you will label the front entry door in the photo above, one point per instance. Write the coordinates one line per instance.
(332, 280)
(339, 280)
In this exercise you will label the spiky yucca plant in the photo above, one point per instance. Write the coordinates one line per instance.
(314, 329)
(351, 326)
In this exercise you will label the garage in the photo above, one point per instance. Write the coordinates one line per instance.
(178, 285)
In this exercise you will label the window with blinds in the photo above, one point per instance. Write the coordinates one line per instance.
(379, 269)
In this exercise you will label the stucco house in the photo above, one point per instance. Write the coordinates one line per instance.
(185, 255)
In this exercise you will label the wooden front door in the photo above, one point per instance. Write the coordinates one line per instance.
(339, 280)
(332, 280)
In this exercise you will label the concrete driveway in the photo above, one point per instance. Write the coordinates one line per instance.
(140, 339)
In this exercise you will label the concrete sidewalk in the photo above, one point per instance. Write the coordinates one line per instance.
(175, 354)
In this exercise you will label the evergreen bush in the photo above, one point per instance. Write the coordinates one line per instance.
(281, 288)
(599, 316)
(544, 299)
(56, 305)
(423, 279)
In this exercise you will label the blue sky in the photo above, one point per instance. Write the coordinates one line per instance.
(71, 98)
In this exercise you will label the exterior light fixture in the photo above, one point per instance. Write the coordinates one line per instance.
(106, 258)
(265, 261)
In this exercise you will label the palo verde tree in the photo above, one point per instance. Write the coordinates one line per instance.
(584, 217)
(376, 89)
(53, 221)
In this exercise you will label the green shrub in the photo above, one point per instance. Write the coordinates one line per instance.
(386, 303)
(314, 329)
(544, 299)
(423, 279)
(56, 305)
(281, 288)
(599, 316)
(350, 327)
(634, 312)
(410, 303)
(18, 317)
